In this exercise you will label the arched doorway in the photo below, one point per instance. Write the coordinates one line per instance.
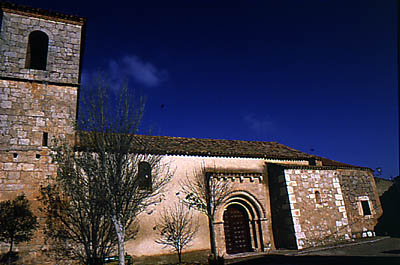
(236, 228)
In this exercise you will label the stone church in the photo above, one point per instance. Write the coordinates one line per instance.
(282, 199)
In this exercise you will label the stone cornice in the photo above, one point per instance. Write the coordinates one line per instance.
(41, 13)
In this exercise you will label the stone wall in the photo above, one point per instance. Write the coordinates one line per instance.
(64, 48)
(358, 186)
(28, 110)
(317, 206)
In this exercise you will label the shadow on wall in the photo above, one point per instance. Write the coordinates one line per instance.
(388, 224)
(282, 221)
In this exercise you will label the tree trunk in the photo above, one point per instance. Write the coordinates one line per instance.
(179, 257)
(212, 237)
(210, 214)
(119, 229)
(11, 244)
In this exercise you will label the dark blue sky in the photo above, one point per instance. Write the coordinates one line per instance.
(310, 74)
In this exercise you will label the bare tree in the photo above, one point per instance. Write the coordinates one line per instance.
(205, 193)
(177, 228)
(76, 223)
(131, 177)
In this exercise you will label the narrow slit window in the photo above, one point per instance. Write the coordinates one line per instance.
(317, 197)
(45, 139)
(36, 54)
(144, 176)
(365, 208)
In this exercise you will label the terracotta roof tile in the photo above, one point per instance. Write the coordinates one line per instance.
(329, 162)
(217, 147)
(227, 148)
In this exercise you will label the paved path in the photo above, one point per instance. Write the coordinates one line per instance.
(379, 251)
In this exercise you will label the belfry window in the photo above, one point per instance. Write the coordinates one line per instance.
(144, 176)
(36, 54)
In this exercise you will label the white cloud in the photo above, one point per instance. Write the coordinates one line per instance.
(132, 67)
(129, 69)
(260, 126)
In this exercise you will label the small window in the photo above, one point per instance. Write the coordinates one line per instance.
(45, 139)
(36, 54)
(317, 197)
(365, 208)
(144, 176)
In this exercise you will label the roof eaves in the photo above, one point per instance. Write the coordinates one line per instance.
(307, 167)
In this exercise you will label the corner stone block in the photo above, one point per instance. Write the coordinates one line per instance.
(339, 197)
(296, 212)
(300, 244)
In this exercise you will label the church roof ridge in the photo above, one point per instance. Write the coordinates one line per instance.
(218, 147)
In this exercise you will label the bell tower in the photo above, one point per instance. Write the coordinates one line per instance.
(40, 69)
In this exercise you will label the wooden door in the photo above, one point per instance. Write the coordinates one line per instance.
(237, 232)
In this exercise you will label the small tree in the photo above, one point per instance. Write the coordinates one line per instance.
(17, 222)
(205, 193)
(177, 228)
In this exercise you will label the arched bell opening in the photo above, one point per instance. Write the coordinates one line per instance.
(36, 54)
